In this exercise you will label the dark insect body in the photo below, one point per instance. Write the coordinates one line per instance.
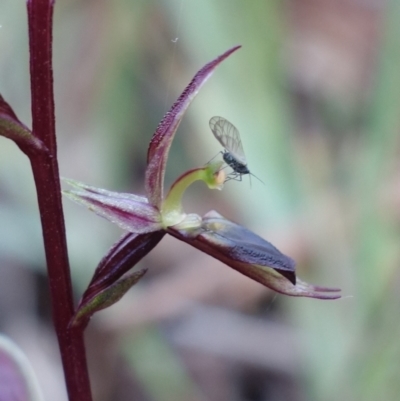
(238, 168)
(233, 155)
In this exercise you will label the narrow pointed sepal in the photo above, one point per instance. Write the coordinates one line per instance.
(105, 298)
(121, 257)
(103, 288)
(130, 212)
(11, 127)
(160, 144)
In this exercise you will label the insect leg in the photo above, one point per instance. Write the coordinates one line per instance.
(214, 157)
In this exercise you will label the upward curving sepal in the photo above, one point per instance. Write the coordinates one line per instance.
(160, 144)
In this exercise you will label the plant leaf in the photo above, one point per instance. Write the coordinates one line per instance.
(160, 144)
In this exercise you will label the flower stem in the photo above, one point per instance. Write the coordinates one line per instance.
(45, 172)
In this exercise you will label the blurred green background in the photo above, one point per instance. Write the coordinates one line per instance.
(315, 94)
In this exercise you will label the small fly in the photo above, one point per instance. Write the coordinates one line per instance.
(233, 154)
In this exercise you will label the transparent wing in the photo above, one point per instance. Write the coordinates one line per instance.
(228, 136)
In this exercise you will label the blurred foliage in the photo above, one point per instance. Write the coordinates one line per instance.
(314, 93)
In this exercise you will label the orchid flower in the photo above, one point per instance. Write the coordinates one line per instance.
(148, 218)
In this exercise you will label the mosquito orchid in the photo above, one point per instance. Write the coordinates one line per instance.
(148, 218)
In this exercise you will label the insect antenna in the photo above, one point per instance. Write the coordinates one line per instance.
(251, 174)
(238, 177)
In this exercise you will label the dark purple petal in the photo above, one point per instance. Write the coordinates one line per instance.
(122, 256)
(12, 128)
(130, 212)
(250, 255)
(245, 246)
(161, 141)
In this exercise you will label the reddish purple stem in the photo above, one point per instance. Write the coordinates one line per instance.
(45, 171)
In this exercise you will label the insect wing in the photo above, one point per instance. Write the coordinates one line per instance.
(228, 136)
